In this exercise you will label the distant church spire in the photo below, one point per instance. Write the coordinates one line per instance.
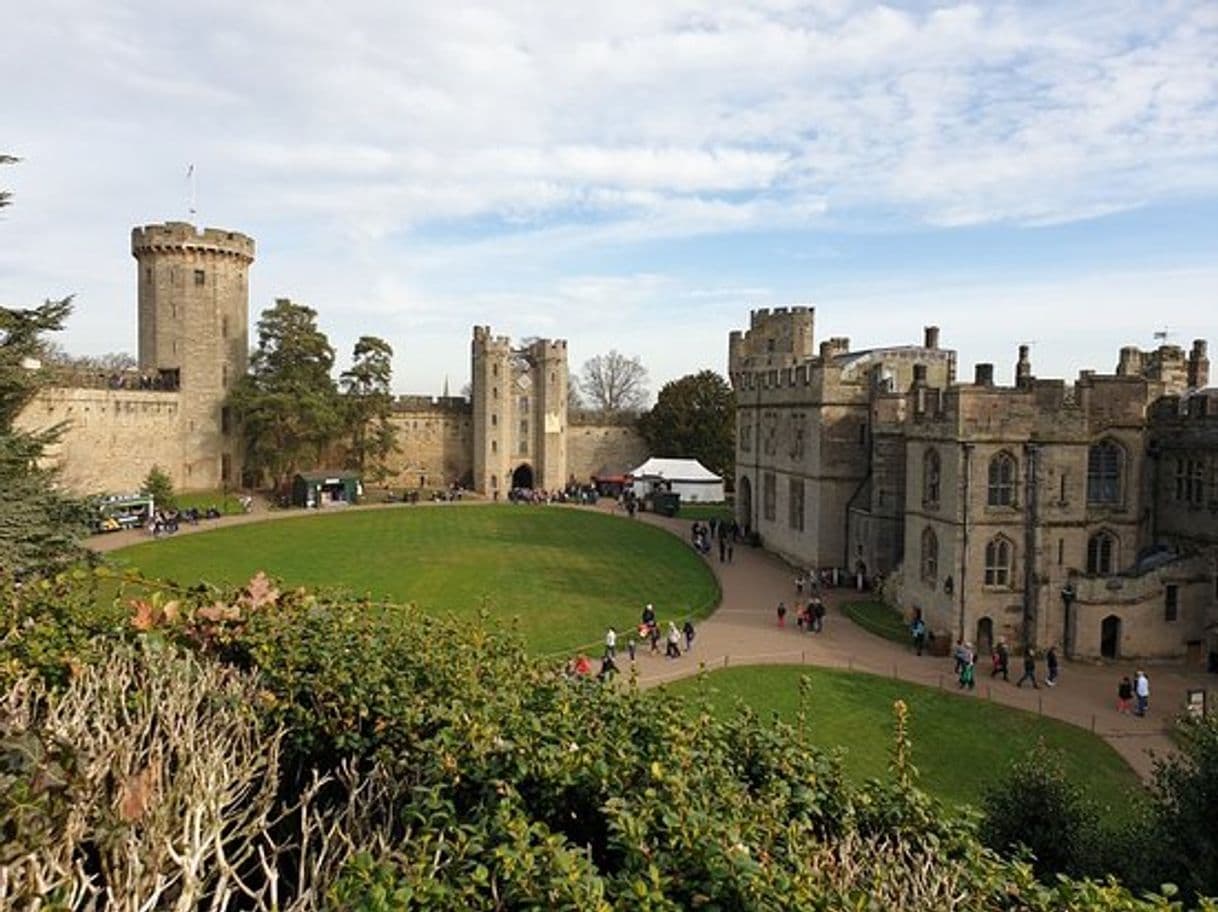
(446, 386)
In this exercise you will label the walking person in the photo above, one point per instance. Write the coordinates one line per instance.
(1029, 669)
(1124, 695)
(958, 653)
(817, 612)
(918, 630)
(968, 667)
(1002, 661)
(782, 614)
(630, 648)
(611, 643)
(731, 548)
(688, 630)
(722, 550)
(673, 649)
(653, 632)
(1141, 690)
(1052, 666)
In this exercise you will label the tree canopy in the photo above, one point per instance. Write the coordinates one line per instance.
(613, 383)
(368, 405)
(694, 417)
(40, 526)
(287, 405)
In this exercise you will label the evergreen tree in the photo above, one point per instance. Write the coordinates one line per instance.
(40, 526)
(287, 405)
(369, 405)
(694, 418)
(159, 487)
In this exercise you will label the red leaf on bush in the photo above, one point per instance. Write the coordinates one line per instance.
(144, 617)
(261, 591)
(137, 794)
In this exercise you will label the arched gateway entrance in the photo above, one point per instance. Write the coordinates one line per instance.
(523, 476)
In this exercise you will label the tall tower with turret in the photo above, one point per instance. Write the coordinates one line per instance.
(520, 413)
(194, 337)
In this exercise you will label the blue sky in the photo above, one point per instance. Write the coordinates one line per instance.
(635, 175)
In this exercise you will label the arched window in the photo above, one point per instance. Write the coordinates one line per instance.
(1104, 473)
(931, 468)
(930, 556)
(1102, 554)
(1002, 481)
(998, 553)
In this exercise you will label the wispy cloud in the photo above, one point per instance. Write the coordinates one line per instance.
(390, 155)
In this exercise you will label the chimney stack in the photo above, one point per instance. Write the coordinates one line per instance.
(1023, 368)
(983, 375)
(930, 337)
(1199, 365)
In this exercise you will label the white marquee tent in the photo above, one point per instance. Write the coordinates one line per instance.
(687, 477)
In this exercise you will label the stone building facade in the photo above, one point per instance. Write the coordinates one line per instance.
(193, 331)
(1042, 513)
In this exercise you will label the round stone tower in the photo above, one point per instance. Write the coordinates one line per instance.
(194, 335)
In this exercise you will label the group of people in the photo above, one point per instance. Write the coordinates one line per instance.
(1137, 689)
(727, 532)
(572, 493)
(647, 631)
(810, 617)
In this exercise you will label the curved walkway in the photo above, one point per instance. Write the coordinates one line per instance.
(743, 630)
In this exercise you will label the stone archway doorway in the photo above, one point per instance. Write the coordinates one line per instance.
(744, 501)
(985, 636)
(1110, 637)
(523, 476)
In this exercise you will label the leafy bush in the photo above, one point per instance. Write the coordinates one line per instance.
(1186, 808)
(418, 763)
(1036, 807)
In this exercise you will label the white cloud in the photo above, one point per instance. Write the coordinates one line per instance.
(373, 146)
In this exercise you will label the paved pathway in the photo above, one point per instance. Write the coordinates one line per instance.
(743, 631)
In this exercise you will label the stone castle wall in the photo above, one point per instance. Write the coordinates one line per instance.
(592, 447)
(111, 438)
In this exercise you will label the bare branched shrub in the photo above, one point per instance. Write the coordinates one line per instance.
(149, 784)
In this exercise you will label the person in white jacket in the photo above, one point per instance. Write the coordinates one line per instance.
(1141, 690)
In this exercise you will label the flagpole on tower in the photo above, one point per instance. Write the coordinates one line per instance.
(194, 188)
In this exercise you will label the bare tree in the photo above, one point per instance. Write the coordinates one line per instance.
(614, 383)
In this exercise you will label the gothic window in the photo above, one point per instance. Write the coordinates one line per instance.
(931, 469)
(1104, 473)
(1196, 481)
(746, 434)
(795, 497)
(1171, 602)
(1001, 492)
(770, 431)
(998, 562)
(200, 277)
(769, 495)
(930, 556)
(1101, 554)
(798, 425)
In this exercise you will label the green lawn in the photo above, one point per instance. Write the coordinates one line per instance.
(567, 573)
(960, 744)
(704, 511)
(881, 619)
(228, 504)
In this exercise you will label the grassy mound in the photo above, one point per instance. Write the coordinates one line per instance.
(565, 573)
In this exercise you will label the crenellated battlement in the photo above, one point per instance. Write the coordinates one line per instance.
(185, 237)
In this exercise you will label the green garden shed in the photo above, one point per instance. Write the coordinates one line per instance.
(326, 489)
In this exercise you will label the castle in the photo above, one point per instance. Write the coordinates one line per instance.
(1083, 516)
(193, 324)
